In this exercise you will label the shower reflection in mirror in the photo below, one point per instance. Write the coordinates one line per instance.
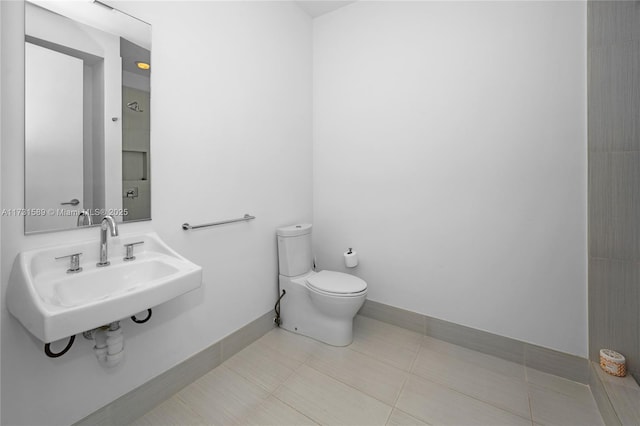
(87, 115)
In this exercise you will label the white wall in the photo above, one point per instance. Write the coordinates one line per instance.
(450, 152)
(231, 134)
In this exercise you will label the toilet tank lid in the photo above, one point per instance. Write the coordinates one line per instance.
(337, 282)
(294, 230)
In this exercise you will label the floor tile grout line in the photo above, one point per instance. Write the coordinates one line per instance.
(373, 359)
(267, 393)
(415, 357)
(350, 386)
(295, 409)
(233, 372)
(378, 324)
(470, 396)
(526, 380)
(261, 386)
(563, 379)
(550, 389)
(593, 407)
(296, 335)
(379, 359)
(388, 364)
(395, 403)
(508, 377)
(331, 378)
(406, 379)
(530, 405)
(519, 377)
(272, 394)
(306, 363)
(293, 372)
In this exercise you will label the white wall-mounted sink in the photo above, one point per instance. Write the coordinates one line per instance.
(53, 304)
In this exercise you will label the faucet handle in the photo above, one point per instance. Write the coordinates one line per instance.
(74, 265)
(129, 248)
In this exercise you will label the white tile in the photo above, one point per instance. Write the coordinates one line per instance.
(436, 404)
(393, 345)
(272, 411)
(494, 388)
(172, 412)
(260, 364)
(375, 378)
(222, 396)
(400, 418)
(488, 362)
(549, 407)
(330, 402)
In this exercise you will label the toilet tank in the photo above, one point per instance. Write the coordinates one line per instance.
(294, 249)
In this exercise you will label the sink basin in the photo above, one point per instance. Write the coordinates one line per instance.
(53, 304)
(105, 282)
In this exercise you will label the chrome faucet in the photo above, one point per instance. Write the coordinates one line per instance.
(107, 223)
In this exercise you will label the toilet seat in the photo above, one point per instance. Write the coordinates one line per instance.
(336, 284)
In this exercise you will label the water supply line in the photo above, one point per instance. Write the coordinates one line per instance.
(50, 354)
(277, 320)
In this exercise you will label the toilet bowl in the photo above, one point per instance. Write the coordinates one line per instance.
(320, 305)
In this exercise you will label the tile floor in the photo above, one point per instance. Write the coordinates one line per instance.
(387, 376)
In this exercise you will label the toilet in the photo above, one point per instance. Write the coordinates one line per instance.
(320, 305)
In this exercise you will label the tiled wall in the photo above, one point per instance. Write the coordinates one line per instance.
(614, 178)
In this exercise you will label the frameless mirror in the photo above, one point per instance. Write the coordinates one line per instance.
(87, 115)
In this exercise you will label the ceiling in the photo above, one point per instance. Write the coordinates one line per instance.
(315, 8)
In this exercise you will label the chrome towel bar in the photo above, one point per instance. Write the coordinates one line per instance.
(186, 226)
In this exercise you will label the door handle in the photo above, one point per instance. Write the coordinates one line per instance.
(73, 202)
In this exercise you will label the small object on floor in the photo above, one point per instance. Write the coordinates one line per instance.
(613, 363)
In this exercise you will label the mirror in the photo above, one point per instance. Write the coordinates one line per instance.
(87, 115)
